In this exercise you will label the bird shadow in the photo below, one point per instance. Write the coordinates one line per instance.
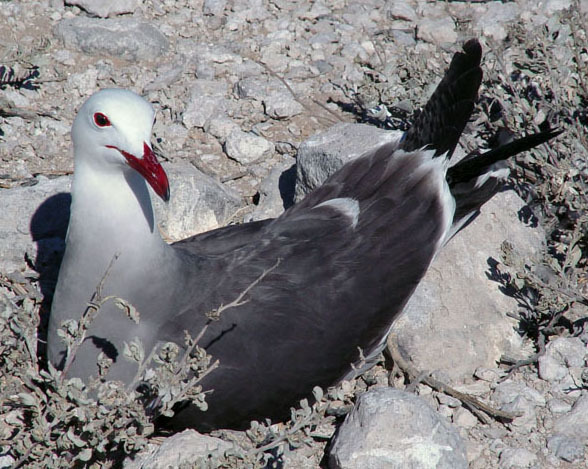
(48, 228)
(287, 185)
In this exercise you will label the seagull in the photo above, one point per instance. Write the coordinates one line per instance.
(308, 289)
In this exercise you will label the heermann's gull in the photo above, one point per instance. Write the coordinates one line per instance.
(350, 254)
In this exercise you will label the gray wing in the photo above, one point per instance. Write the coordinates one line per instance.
(350, 255)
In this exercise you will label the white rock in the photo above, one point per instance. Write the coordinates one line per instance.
(220, 126)
(464, 418)
(438, 30)
(247, 148)
(185, 448)
(512, 458)
(560, 355)
(392, 429)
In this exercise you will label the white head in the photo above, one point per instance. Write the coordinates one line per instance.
(113, 130)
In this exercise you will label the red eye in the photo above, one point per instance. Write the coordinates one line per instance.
(101, 120)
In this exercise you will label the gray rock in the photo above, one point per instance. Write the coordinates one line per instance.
(567, 448)
(517, 398)
(511, 458)
(187, 447)
(558, 406)
(127, 38)
(494, 21)
(281, 106)
(389, 428)
(455, 320)
(84, 83)
(575, 423)
(213, 7)
(464, 418)
(220, 126)
(166, 75)
(323, 154)
(207, 100)
(198, 203)
(560, 355)
(247, 148)
(105, 8)
(437, 30)
(402, 11)
(277, 100)
(553, 6)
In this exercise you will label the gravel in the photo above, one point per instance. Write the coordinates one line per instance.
(240, 87)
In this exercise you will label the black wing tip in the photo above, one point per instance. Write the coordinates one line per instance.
(552, 133)
(475, 164)
(473, 49)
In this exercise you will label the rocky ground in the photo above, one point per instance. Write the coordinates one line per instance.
(238, 88)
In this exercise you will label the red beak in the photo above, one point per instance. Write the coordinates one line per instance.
(150, 169)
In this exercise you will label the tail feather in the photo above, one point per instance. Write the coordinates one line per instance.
(477, 178)
(475, 164)
(447, 112)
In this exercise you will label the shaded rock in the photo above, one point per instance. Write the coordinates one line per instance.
(187, 448)
(565, 447)
(323, 154)
(247, 148)
(127, 38)
(198, 203)
(575, 423)
(276, 193)
(389, 428)
(27, 221)
(105, 8)
(455, 321)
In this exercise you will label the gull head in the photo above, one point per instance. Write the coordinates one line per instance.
(112, 132)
